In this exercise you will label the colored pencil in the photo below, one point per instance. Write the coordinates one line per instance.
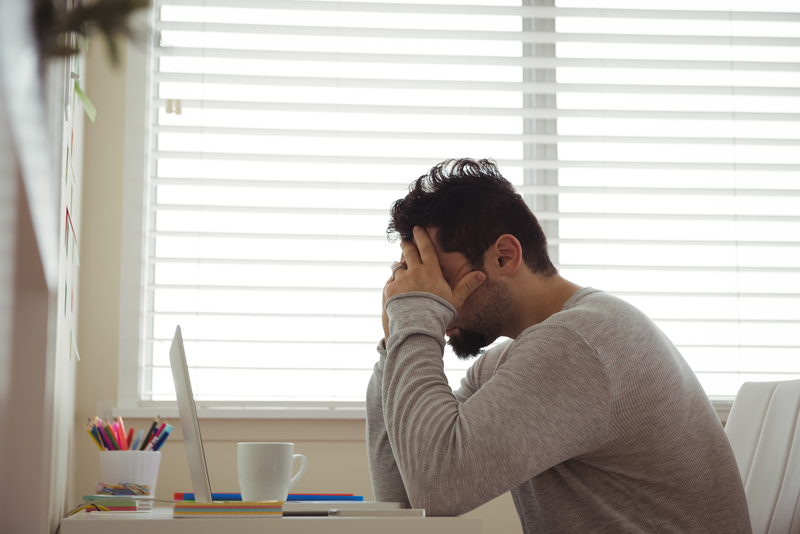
(123, 439)
(139, 437)
(103, 439)
(118, 435)
(159, 431)
(146, 440)
(94, 438)
(162, 438)
(110, 435)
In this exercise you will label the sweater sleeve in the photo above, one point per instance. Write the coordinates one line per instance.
(549, 401)
(387, 484)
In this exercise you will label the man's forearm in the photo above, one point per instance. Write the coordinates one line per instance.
(387, 484)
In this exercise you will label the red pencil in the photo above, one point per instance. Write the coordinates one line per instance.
(130, 437)
(123, 440)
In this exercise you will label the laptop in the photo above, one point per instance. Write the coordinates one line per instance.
(189, 424)
(197, 458)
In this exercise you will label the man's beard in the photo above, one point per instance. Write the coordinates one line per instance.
(484, 327)
(468, 344)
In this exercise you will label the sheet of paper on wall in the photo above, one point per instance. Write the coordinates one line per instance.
(68, 90)
(87, 104)
(73, 346)
(69, 227)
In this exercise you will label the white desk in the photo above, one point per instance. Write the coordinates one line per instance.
(160, 521)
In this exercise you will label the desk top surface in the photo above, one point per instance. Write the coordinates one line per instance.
(160, 521)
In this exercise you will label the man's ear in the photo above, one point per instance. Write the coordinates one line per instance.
(505, 256)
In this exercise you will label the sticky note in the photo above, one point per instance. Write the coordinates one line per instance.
(88, 107)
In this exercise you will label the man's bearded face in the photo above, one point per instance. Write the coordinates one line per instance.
(480, 319)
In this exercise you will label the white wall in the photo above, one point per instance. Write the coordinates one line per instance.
(24, 305)
(36, 374)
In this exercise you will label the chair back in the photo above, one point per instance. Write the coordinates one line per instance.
(763, 432)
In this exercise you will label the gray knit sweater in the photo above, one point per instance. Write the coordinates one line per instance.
(592, 419)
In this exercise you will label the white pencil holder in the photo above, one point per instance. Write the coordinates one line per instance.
(138, 467)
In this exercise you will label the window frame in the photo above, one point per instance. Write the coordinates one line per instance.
(136, 163)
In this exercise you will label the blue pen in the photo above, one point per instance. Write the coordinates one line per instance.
(162, 437)
(139, 436)
(291, 497)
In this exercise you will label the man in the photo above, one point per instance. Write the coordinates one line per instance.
(588, 415)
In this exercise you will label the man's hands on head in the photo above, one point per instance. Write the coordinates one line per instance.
(424, 274)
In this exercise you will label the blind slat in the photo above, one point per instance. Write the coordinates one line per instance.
(377, 291)
(514, 11)
(467, 35)
(286, 289)
(255, 342)
(530, 62)
(266, 315)
(242, 235)
(524, 164)
(455, 136)
(164, 260)
(522, 189)
(541, 215)
(525, 113)
(206, 340)
(442, 85)
(377, 316)
(551, 241)
(383, 264)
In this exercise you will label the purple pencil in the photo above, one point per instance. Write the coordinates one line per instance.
(101, 430)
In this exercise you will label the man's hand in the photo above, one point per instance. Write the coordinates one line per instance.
(424, 274)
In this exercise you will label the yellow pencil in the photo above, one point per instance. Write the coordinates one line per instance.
(94, 439)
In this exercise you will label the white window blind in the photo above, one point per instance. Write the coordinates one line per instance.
(300, 124)
(658, 147)
(679, 174)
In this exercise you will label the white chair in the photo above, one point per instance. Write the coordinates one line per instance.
(763, 431)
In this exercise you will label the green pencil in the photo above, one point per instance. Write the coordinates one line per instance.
(110, 435)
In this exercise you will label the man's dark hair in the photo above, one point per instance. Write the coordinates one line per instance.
(472, 205)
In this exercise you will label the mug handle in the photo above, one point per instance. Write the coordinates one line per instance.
(303, 466)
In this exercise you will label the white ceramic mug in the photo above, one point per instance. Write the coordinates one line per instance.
(265, 470)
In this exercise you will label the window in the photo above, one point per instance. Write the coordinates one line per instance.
(658, 147)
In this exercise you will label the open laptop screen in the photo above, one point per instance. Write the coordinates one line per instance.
(189, 423)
